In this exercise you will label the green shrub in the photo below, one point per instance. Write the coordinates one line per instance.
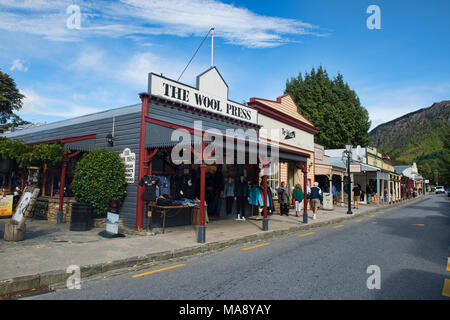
(99, 177)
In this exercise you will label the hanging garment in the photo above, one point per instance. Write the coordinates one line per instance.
(270, 196)
(228, 190)
(241, 189)
(261, 192)
(164, 186)
(150, 183)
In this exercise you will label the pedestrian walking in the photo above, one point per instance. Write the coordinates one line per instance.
(283, 198)
(316, 197)
(298, 196)
(369, 193)
(356, 196)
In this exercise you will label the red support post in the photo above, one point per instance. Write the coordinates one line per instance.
(201, 228)
(24, 178)
(142, 155)
(265, 197)
(305, 192)
(62, 185)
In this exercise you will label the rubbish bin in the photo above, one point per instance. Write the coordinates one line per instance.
(80, 219)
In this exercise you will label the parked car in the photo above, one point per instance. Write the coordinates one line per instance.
(439, 189)
(448, 192)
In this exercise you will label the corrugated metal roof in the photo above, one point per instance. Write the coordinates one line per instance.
(400, 169)
(78, 120)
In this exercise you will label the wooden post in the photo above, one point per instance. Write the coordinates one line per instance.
(201, 227)
(44, 179)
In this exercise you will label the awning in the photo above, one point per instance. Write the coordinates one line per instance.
(82, 145)
(366, 167)
(158, 136)
(283, 155)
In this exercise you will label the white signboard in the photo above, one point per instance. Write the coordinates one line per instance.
(129, 159)
(22, 207)
(327, 201)
(172, 90)
(112, 223)
(354, 168)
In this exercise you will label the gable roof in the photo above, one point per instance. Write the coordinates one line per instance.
(208, 70)
(286, 106)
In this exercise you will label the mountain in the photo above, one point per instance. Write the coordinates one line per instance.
(414, 137)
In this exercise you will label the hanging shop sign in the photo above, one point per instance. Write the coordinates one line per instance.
(172, 90)
(129, 159)
(6, 206)
(288, 134)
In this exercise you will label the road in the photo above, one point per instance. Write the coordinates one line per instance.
(408, 244)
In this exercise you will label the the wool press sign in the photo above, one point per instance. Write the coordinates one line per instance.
(172, 90)
(129, 159)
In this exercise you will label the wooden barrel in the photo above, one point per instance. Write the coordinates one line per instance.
(80, 219)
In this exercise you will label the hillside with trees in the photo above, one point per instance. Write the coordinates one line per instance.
(332, 106)
(421, 136)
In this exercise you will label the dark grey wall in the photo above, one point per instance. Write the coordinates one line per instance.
(187, 119)
(127, 129)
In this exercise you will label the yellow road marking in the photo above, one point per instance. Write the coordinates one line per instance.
(339, 226)
(306, 234)
(359, 220)
(374, 222)
(158, 270)
(419, 225)
(446, 288)
(372, 215)
(257, 246)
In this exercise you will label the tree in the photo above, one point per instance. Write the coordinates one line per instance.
(99, 177)
(10, 101)
(332, 106)
(26, 155)
(444, 161)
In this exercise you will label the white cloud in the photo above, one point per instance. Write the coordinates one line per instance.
(182, 18)
(18, 65)
(35, 104)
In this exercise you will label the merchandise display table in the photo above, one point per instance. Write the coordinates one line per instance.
(194, 214)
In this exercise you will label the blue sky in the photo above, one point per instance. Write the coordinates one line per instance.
(258, 45)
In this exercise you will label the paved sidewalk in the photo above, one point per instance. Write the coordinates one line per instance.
(29, 265)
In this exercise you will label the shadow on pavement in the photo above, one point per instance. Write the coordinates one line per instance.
(432, 240)
(410, 284)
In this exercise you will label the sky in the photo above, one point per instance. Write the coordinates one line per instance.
(68, 65)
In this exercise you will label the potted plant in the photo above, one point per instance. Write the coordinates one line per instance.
(99, 177)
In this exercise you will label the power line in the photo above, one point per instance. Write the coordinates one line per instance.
(195, 53)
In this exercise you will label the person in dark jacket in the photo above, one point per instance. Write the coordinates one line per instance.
(315, 197)
(283, 199)
(241, 193)
(356, 196)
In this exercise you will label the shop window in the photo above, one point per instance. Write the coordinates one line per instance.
(273, 176)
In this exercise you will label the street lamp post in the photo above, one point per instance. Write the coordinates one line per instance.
(348, 153)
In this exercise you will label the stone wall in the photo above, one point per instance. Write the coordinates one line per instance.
(53, 208)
